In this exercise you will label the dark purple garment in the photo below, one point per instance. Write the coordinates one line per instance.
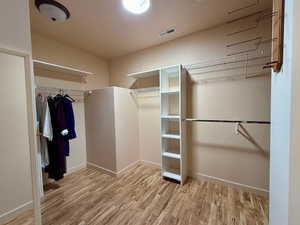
(68, 108)
(70, 122)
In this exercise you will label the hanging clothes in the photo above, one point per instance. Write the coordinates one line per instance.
(63, 123)
(44, 127)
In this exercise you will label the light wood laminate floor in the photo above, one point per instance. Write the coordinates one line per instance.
(142, 197)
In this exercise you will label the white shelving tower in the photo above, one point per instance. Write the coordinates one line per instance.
(173, 128)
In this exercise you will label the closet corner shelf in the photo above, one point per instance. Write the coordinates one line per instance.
(171, 136)
(174, 117)
(171, 175)
(172, 155)
(59, 68)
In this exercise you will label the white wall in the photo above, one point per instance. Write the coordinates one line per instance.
(295, 129)
(15, 176)
(285, 143)
(14, 25)
(280, 133)
(112, 129)
(126, 128)
(214, 149)
(149, 129)
(100, 129)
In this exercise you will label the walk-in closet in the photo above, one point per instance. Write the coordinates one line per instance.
(149, 112)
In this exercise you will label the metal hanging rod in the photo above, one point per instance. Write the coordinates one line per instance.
(243, 30)
(243, 42)
(229, 69)
(195, 67)
(259, 39)
(230, 78)
(261, 18)
(62, 91)
(228, 121)
(244, 74)
(260, 12)
(241, 130)
(258, 44)
(244, 7)
(52, 89)
(246, 16)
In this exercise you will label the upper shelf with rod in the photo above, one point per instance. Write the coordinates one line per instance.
(146, 81)
(62, 69)
(239, 129)
(231, 68)
(228, 121)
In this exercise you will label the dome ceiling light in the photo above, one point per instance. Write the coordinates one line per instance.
(53, 10)
(136, 6)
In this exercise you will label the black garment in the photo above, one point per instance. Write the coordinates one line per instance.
(57, 147)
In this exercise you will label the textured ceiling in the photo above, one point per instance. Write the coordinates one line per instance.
(104, 28)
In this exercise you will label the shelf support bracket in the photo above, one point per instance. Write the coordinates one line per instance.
(240, 129)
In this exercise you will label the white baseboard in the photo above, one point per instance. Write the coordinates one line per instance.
(130, 166)
(6, 217)
(149, 163)
(192, 174)
(113, 173)
(76, 168)
(200, 176)
(104, 170)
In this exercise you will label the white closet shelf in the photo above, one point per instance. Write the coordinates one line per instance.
(149, 73)
(170, 136)
(170, 92)
(148, 89)
(173, 130)
(171, 155)
(59, 68)
(174, 117)
(172, 173)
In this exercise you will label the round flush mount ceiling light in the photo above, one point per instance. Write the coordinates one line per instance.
(53, 10)
(136, 6)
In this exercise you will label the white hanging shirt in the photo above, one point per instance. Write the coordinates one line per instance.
(45, 128)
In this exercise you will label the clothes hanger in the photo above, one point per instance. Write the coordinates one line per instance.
(68, 96)
(60, 94)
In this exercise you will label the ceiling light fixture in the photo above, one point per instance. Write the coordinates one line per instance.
(136, 6)
(53, 10)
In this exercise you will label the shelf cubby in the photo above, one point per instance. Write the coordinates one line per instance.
(170, 104)
(170, 79)
(170, 126)
(171, 148)
(171, 168)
